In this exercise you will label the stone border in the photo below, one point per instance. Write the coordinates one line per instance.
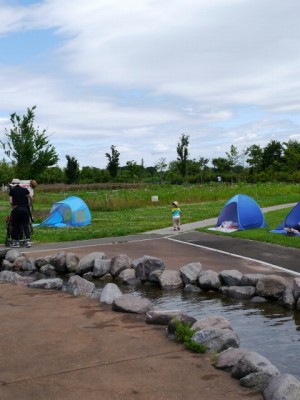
(252, 369)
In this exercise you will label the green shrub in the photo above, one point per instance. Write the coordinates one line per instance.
(184, 334)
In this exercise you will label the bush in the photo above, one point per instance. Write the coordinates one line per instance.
(184, 334)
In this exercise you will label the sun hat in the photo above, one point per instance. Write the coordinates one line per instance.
(16, 182)
(175, 203)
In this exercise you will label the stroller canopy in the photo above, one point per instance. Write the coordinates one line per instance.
(243, 211)
(72, 211)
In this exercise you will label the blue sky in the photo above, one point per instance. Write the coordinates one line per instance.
(138, 74)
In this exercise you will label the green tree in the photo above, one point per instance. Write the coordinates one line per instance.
(291, 156)
(233, 156)
(72, 170)
(203, 167)
(6, 172)
(161, 167)
(134, 170)
(52, 175)
(221, 165)
(255, 155)
(272, 155)
(94, 175)
(182, 154)
(113, 162)
(28, 149)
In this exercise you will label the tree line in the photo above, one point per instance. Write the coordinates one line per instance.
(29, 154)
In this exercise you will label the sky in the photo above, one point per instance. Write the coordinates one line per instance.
(137, 74)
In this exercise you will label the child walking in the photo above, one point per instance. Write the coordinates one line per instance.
(176, 212)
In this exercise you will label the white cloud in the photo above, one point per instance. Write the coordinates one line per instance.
(137, 74)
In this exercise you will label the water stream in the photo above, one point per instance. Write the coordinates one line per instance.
(266, 328)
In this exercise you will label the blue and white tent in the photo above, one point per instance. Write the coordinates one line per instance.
(290, 221)
(243, 212)
(72, 211)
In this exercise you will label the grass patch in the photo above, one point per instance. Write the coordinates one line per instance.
(119, 211)
(273, 219)
(184, 334)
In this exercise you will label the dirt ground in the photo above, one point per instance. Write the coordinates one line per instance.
(58, 347)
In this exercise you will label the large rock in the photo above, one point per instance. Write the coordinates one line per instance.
(28, 264)
(101, 267)
(6, 265)
(253, 362)
(129, 303)
(161, 317)
(209, 280)
(271, 287)
(55, 283)
(78, 286)
(145, 265)
(128, 277)
(216, 322)
(251, 279)
(296, 288)
(119, 263)
(231, 277)
(48, 270)
(170, 280)
(192, 289)
(216, 339)
(240, 292)
(86, 264)
(14, 277)
(190, 272)
(59, 263)
(18, 262)
(11, 255)
(109, 293)
(183, 319)
(154, 275)
(9, 276)
(258, 299)
(228, 358)
(72, 261)
(40, 261)
(255, 380)
(3, 253)
(288, 299)
(282, 387)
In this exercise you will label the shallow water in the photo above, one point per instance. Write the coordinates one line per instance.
(266, 328)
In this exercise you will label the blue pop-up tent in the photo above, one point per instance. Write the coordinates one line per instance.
(72, 211)
(291, 220)
(243, 212)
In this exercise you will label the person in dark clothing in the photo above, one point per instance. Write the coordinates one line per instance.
(20, 199)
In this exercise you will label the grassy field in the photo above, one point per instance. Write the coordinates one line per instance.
(273, 219)
(127, 211)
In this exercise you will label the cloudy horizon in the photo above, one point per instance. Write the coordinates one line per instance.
(140, 73)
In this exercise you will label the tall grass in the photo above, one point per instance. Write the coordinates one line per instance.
(122, 211)
(139, 197)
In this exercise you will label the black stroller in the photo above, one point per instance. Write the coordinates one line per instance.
(9, 230)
